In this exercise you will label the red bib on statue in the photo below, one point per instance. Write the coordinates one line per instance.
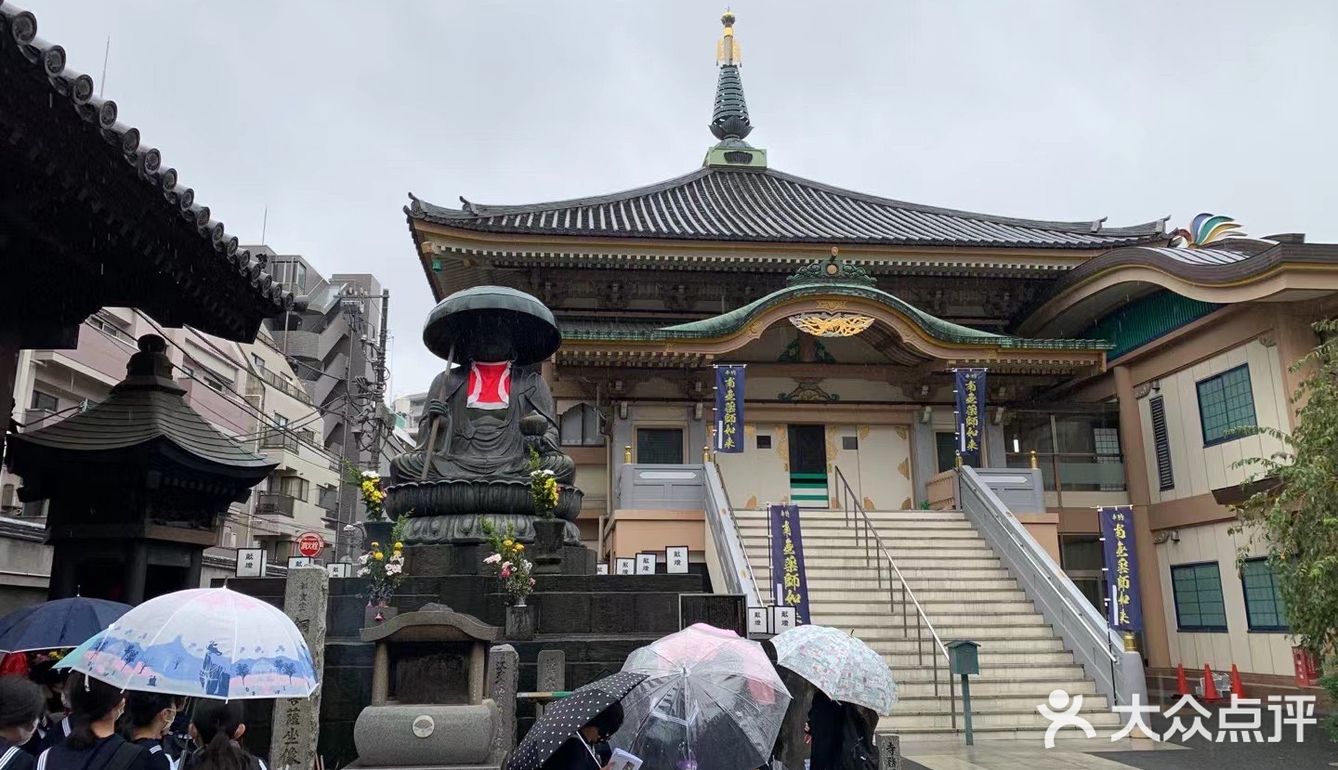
(489, 386)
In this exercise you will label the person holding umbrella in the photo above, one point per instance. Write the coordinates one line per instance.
(22, 707)
(569, 734)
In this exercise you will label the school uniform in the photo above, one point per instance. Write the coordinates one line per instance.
(13, 757)
(158, 758)
(110, 753)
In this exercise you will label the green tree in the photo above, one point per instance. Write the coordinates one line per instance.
(1296, 512)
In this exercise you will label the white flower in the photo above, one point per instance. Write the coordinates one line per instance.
(363, 559)
(547, 472)
(371, 475)
(493, 559)
(364, 572)
(393, 569)
(506, 565)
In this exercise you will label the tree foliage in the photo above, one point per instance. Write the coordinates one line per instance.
(1298, 516)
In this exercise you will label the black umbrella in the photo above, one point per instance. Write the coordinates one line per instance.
(454, 319)
(562, 719)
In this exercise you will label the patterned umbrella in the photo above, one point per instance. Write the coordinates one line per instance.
(57, 624)
(839, 664)
(561, 720)
(709, 695)
(205, 643)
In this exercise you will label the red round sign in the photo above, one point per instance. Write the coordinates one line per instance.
(310, 544)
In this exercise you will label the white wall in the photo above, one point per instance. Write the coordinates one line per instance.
(1253, 651)
(1198, 470)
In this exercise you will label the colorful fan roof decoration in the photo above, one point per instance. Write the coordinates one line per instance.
(1205, 229)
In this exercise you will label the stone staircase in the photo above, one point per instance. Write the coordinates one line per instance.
(965, 592)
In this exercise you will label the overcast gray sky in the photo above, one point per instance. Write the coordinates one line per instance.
(330, 112)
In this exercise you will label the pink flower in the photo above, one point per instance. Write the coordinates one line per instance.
(531, 582)
(506, 565)
(506, 572)
(493, 559)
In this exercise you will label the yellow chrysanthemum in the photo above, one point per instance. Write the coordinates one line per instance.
(375, 544)
(379, 556)
(398, 545)
(519, 547)
(508, 542)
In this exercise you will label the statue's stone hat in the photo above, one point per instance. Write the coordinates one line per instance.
(454, 319)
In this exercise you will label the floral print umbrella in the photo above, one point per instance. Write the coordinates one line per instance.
(202, 643)
(840, 665)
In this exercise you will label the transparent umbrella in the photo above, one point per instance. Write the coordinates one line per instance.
(708, 695)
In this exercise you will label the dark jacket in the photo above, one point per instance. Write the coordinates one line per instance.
(572, 755)
(158, 758)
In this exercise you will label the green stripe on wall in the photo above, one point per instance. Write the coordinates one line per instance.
(822, 476)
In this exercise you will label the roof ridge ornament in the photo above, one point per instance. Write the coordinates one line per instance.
(729, 119)
(831, 270)
(1206, 229)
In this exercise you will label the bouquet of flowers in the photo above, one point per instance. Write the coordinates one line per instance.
(370, 488)
(384, 564)
(508, 562)
(544, 488)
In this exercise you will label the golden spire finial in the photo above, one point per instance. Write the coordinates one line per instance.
(727, 51)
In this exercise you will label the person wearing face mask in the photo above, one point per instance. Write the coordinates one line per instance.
(93, 743)
(148, 717)
(22, 706)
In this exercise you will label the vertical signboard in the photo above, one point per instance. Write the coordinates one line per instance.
(969, 387)
(787, 561)
(1117, 529)
(729, 408)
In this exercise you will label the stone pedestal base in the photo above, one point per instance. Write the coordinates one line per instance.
(468, 528)
(467, 559)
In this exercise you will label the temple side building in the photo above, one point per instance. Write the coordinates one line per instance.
(1123, 360)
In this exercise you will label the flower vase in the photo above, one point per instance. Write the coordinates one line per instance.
(519, 622)
(377, 531)
(548, 535)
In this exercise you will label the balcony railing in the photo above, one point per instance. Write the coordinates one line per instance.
(1075, 471)
(278, 438)
(274, 504)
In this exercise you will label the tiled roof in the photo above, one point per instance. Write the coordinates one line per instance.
(737, 204)
(36, 61)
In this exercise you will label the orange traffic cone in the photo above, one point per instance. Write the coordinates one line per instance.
(1209, 686)
(1181, 681)
(1237, 686)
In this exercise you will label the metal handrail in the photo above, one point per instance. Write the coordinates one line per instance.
(1083, 610)
(850, 503)
(718, 510)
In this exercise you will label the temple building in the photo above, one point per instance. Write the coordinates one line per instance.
(1121, 361)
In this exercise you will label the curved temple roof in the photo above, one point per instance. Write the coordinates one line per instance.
(748, 204)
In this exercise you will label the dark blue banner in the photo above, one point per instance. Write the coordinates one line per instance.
(1117, 530)
(789, 582)
(969, 387)
(729, 408)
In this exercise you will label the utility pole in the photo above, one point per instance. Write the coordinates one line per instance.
(344, 432)
(380, 434)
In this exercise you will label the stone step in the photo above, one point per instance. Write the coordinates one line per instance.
(926, 594)
(1032, 644)
(947, 631)
(1038, 690)
(836, 544)
(823, 514)
(910, 721)
(977, 559)
(995, 657)
(982, 703)
(917, 583)
(1033, 674)
(934, 608)
(888, 525)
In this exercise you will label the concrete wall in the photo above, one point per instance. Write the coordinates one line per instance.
(1198, 469)
(1253, 651)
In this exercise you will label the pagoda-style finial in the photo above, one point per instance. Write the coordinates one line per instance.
(730, 118)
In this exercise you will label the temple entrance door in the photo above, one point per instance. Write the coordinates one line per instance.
(808, 466)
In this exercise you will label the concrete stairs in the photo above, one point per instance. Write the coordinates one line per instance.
(966, 593)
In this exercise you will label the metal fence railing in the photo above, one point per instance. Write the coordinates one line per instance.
(900, 598)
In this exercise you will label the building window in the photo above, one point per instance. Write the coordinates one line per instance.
(295, 487)
(850, 443)
(764, 441)
(45, 401)
(1226, 405)
(945, 445)
(1264, 610)
(659, 446)
(580, 426)
(1198, 597)
(1162, 443)
(258, 361)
